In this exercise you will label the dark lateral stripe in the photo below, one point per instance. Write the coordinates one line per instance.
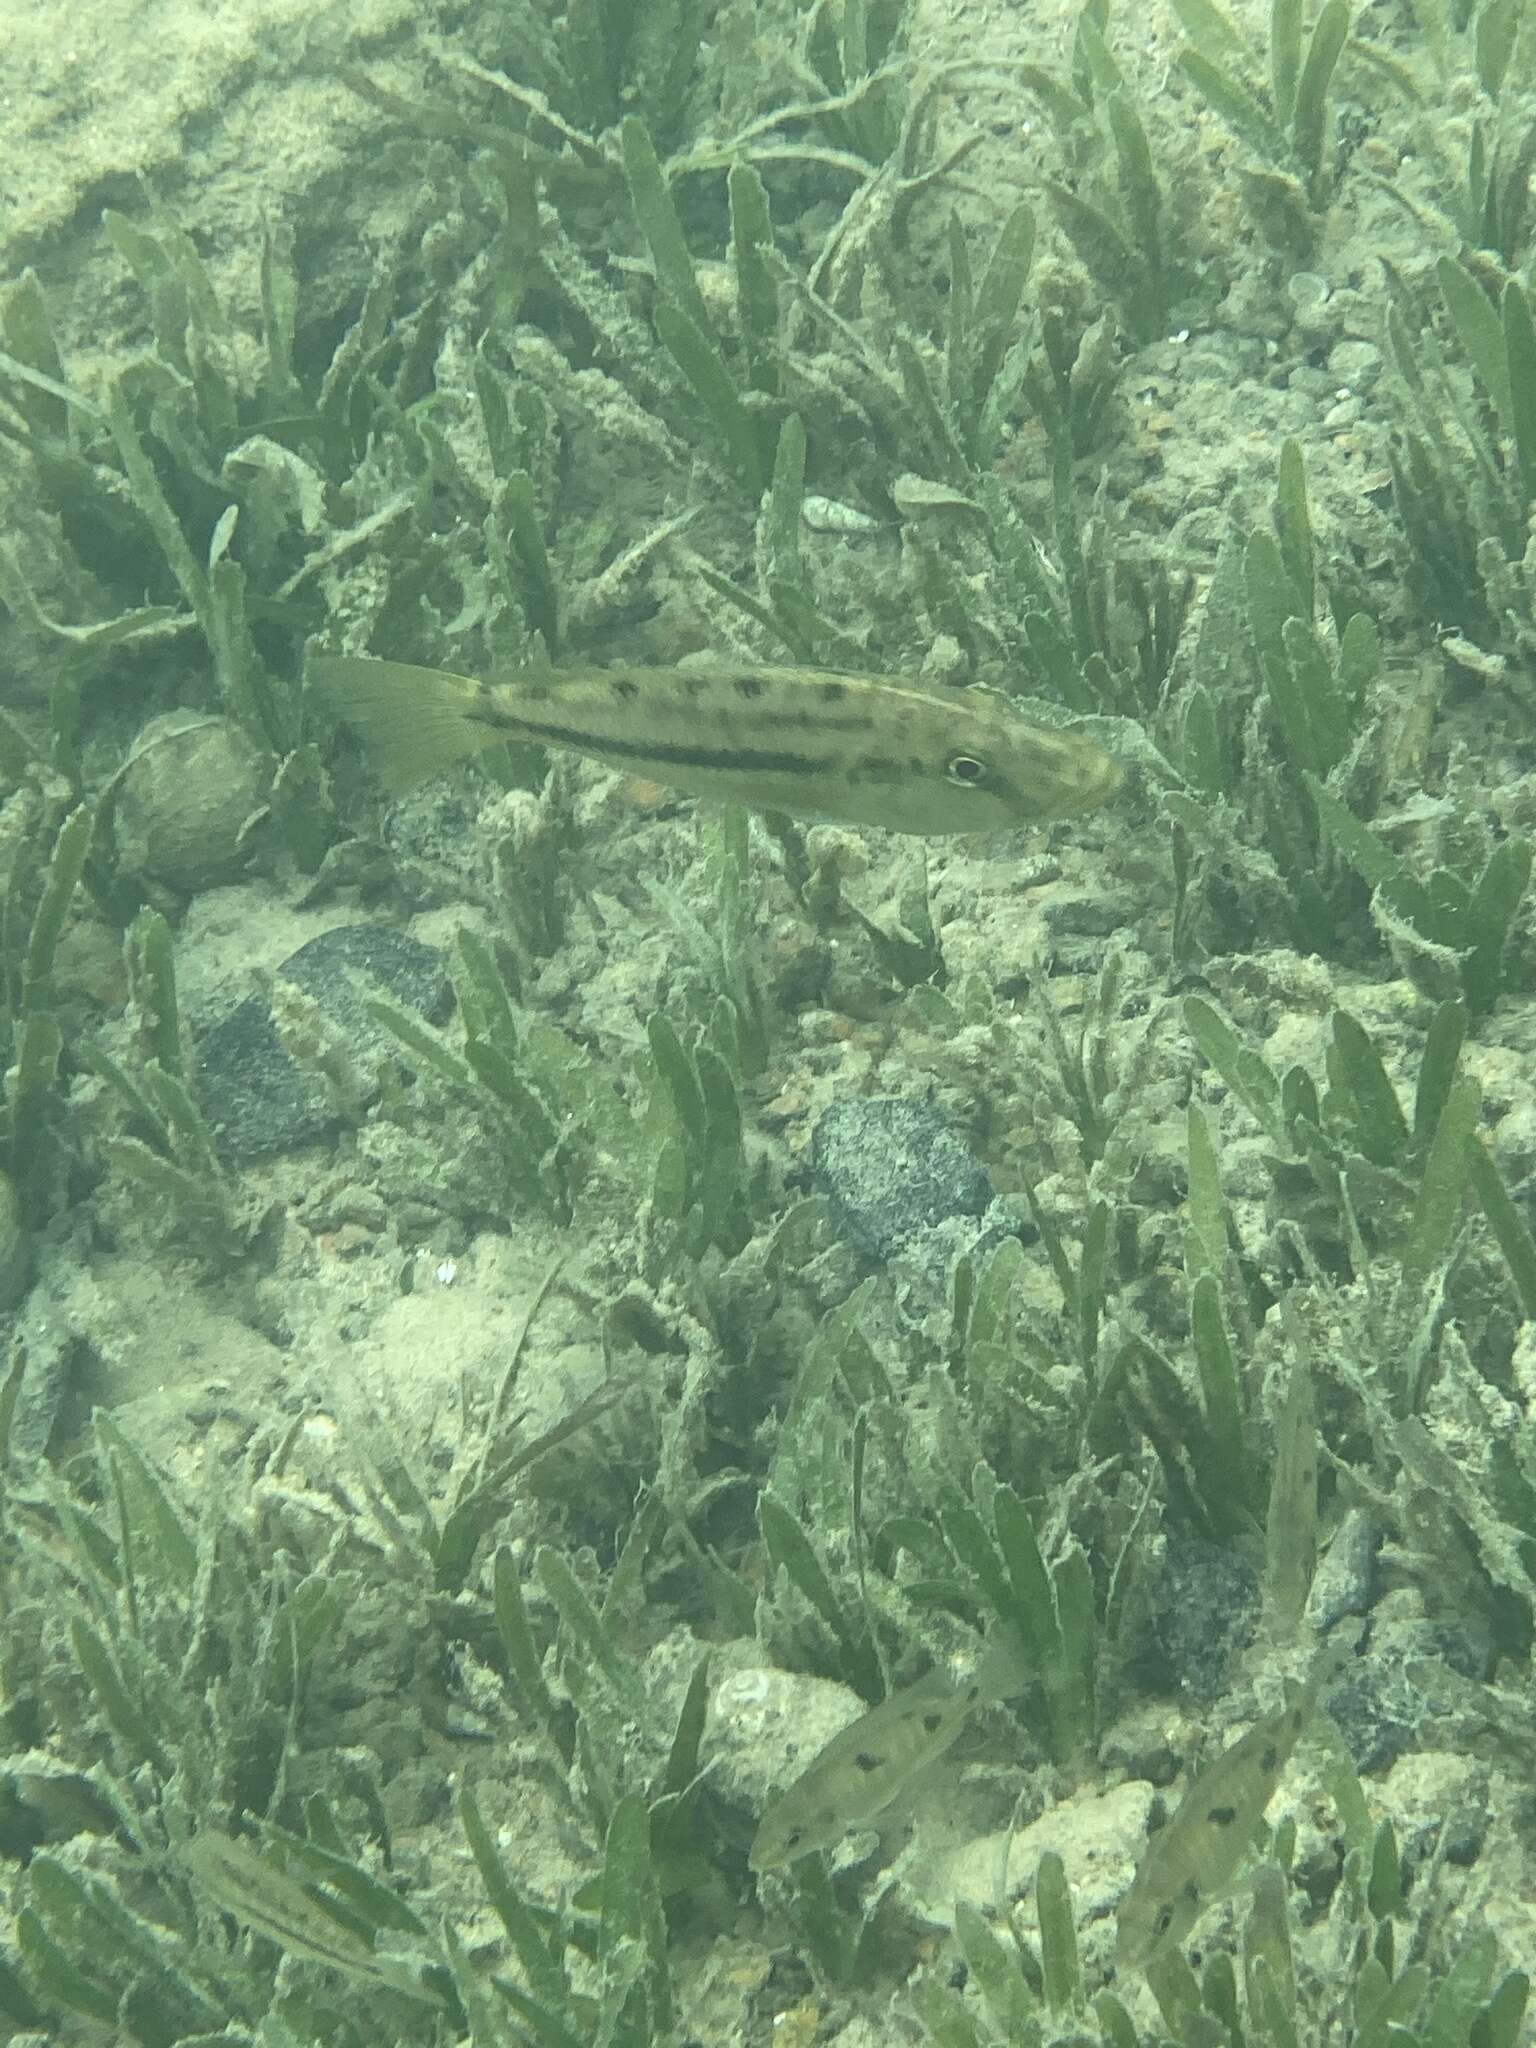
(725, 760)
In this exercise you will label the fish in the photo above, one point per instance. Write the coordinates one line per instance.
(866, 1766)
(1290, 1527)
(241, 1881)
(1190, 1863)
(858, 750)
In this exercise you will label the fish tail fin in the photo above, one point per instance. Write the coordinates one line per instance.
(1004, 1668)
(414, 722)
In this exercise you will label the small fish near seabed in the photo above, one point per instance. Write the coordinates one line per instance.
(858, 750)
(1190, 1863)
(868, 1765)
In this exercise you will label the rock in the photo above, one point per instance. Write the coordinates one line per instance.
(894, 1171)
(1083, 915)
(189, 787)
(1204, 1606)
(57, 1365)
(766, 1725)
(1098, 1836)
(1382, 1701)
(251, 1092)
(1346, 1579)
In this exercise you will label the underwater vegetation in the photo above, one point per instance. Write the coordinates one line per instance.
(1012, 1335)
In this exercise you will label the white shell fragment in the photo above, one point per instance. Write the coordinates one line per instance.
(830, 515)
(1475, 660)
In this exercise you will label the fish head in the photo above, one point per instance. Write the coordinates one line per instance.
(1152, 1920)
(795, 1827)
(987, 776)
(1038, 774)
(988, 770)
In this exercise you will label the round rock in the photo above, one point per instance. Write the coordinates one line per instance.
(188, 789)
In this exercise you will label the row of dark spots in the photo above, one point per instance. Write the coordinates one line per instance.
(626, 689)
(751, 687)
(783, 717)
(830, 692)
(875, 768)
(796, 713)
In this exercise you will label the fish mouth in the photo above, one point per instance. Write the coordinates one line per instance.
(1101, 780)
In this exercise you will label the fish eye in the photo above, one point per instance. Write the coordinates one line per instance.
(966, 771)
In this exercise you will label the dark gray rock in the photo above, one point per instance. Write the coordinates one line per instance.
(893, 1172)
(57, 1366)
(1376, 1714)
(1087, 916)
(1382, 1701)
(257, 1101)
(1347, 1578)
(1465, 1832)
(1203, 1609)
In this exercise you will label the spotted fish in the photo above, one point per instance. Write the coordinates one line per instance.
(860, 750)
(1190, 1863)
(868, 1765)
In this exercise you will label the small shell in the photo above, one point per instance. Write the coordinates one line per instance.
(829, 515)
(188, 788)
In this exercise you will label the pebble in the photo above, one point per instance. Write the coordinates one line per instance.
(1095, 916)
(1355, 363)
(1346, 1579)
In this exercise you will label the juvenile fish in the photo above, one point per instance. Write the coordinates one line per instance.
(1190, 1863)
(241, 1880)
(868, 1765)
(861, 750)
